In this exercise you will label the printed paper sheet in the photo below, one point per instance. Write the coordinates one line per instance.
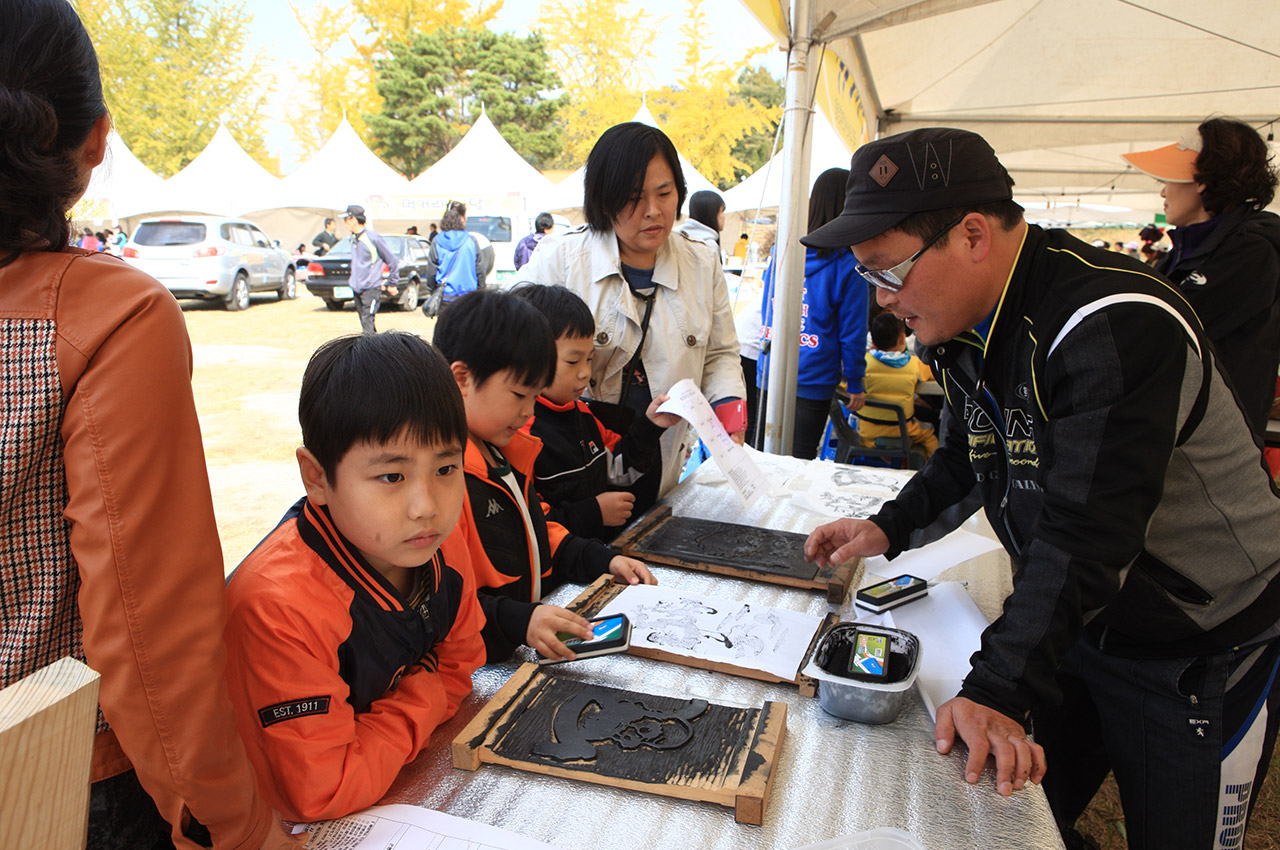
(721, 630)
(688, 402)
(412, 828)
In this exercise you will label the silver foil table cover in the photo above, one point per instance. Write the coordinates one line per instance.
(835, 777)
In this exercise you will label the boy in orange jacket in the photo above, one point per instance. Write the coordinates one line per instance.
(353, 628)
(502, 355)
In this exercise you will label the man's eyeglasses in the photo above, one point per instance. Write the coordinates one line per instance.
(892, 279)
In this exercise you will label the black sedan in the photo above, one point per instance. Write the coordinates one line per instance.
(329, 277)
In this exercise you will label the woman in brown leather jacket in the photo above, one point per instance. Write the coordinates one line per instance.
(108, 548)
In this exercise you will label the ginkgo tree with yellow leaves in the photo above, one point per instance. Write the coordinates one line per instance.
(172, 69)
(702, 115)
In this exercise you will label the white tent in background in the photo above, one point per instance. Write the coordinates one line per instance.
(482, 165)
(122, 186)
(567, 194)
(344, 171)
(222, 180)
(763, 189)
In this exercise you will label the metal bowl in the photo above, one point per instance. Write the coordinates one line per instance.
(858, 699)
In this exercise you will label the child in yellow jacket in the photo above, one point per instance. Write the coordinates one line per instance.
(892, 376)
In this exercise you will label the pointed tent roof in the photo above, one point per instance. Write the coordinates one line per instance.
(763, 188)
(222, 180)
(122, 186)
(344, 171)
(481, 164)
(568, 193)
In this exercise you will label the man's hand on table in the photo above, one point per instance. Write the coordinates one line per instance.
(844, 539)
(988, 732)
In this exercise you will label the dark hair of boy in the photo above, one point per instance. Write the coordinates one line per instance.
(563, 308)
(616, 168)
(886, 330)
(490, 332)
(543, 222)
(371, 387)
(705, 207)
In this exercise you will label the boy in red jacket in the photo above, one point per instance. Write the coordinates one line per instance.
(593, 479)
(502, 355)
(353, 628)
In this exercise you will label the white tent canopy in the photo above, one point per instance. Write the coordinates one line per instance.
(1028, 75)
(222, 180)
(763, 189)
(344, 171)
(482, 164)
(122, 186)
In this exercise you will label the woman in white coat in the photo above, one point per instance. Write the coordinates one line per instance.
(660, 303)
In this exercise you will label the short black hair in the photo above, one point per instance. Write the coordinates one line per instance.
(564, 309)
(491, 332)
(926, 224)
(359, 218)
(1234, 165)
(886, 330)
(616, 167)
(368, 388)
(328, 221)
(705, 207)
(543, 222)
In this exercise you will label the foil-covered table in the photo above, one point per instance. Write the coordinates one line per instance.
(834, 777)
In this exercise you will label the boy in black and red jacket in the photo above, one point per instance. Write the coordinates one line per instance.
(593, 478)
(502, 355)
(353, 628)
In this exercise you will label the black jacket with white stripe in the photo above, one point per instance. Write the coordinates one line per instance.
(1114, 464)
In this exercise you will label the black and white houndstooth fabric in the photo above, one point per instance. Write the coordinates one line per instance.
(39, 579)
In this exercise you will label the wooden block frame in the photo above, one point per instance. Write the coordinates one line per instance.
(745, 786)
(47, 724)
(603, 590)
(834, 580)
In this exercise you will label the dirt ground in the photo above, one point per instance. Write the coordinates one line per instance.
(248, 367)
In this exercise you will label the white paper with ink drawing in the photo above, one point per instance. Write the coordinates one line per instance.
(837, 490)
(688, 402)
(413, 828)
(720, 630)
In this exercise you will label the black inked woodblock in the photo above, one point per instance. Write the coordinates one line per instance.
(686, 748)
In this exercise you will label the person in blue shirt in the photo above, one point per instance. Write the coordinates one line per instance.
(833, 330)
(454, 261)
(367, 248)
(524, 248)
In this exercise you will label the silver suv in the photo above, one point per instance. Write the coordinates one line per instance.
(198, 256)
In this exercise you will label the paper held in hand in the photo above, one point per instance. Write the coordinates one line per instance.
(688, 402)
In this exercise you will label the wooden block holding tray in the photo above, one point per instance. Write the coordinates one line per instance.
(604, 590)
(685, 748)
(742, 551)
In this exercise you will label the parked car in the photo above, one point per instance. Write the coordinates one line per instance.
(329, 277)
(200, 256)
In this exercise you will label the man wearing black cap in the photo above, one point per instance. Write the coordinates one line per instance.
(367, 248)
(1085, 413)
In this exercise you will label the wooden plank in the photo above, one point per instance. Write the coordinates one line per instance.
(597, 595)
(47, 723)
(689, 749)
(641, 526)
(467, 743)
(762, 765)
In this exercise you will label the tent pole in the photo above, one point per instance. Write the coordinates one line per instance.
(789, 254)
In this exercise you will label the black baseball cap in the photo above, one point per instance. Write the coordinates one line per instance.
(929, 169)
(353, 209)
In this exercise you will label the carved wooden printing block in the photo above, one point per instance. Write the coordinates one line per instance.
(743, 551)
(685, 748)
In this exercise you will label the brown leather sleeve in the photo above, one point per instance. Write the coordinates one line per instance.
(143, 534)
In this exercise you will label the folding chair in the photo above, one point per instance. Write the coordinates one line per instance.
(890, 451)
